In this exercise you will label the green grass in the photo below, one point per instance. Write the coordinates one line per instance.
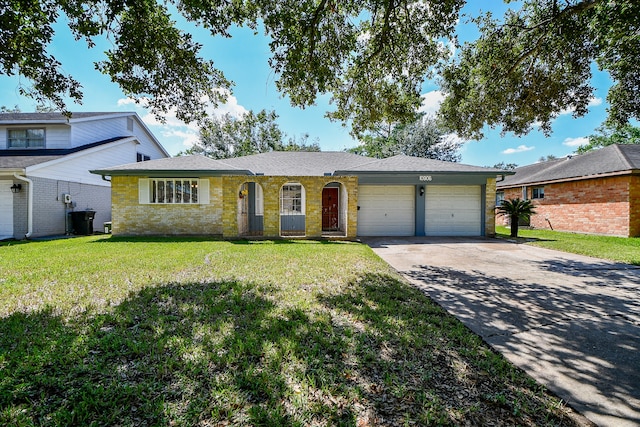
(621, 249)
(145, 332)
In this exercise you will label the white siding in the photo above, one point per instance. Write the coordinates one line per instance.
(87, 132)
(56, 136)
(386, 210)
(147, 145)
(75, 167)
(453, 210)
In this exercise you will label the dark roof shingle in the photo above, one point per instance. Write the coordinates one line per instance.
(612, 159)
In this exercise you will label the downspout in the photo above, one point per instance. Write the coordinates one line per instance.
(29, 203)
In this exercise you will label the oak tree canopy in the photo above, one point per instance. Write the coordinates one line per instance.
(371, 57)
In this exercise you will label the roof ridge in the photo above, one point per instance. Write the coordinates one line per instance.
(623, 155)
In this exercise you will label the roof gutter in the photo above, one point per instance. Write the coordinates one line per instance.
(29, 203)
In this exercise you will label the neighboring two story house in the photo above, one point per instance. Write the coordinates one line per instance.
(45, 160)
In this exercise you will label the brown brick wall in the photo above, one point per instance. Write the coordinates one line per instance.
(634, 206)
(599, 206)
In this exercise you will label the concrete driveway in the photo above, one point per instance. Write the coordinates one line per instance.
(571, 322)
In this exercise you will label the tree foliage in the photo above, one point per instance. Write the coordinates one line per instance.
(425, 137)
(534, 63)
(370, 56)
(547, 158)
(609, 134)
(227, 136)
(504, 166)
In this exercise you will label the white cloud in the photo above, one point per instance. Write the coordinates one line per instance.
(174, 128)
(431, 102)
(593, 102)
(518, 149)
(575, 142)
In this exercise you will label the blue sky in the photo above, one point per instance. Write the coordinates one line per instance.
(243, 59)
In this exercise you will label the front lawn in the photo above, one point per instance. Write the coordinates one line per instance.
(619, 249)
(139, 332)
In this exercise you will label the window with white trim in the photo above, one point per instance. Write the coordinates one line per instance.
(292, 199)
(25, 138)
(499, 197)
(184, 191)
(174, 191)
(537, 193)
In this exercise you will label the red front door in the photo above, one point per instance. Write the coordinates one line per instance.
(330, 208)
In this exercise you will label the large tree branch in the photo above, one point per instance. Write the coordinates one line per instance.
(313, 28)
(567, 11)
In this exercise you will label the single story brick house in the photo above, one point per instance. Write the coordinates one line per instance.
(310, 194)
(597, 192)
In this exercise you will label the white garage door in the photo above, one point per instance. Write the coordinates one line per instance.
(6, 210)
(453, 210)
(386, 210)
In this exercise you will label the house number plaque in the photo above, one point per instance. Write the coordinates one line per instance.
(426, 178)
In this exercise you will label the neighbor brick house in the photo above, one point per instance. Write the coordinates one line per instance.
(597, 192)
(318, 194)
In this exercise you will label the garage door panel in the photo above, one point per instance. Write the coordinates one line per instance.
(6, 211)
(454, 210)
(386, 210)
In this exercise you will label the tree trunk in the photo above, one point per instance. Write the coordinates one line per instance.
(514, 225)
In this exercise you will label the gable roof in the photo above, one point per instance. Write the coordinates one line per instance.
(294, 163)
(611, 160)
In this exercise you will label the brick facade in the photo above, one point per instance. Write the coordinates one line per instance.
(608, 206)
(220, 216)
(132, 218)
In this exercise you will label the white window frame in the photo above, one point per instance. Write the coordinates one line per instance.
(152, 191)
(26, 138)
(292, 199)
(499, 197)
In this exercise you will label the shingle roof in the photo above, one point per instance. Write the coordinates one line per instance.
(194, 163)
(22, 158)
(21, 162)
(609, 160)
(402, 163)
(12, 118)
(297, 163)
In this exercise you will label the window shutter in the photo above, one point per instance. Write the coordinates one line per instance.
(203, 191)
(143, 191)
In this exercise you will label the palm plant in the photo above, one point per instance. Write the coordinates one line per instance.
(516, 209)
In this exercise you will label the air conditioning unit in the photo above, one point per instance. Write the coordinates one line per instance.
(67, 198)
